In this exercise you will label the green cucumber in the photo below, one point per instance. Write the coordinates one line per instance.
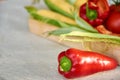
(61, 6)
(77, 36)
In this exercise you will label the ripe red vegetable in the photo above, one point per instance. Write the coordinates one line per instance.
(94, 11)
(101, 29)
(113, 22)
(115, 7)
(75, 63)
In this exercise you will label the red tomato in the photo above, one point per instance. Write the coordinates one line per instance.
(113, 22)
(114, 8)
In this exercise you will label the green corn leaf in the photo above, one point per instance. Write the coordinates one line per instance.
(63, 25)
(54, 7)
(65, 30)
(71, 1)
(31, 9)
(77, 36)
(84, 25)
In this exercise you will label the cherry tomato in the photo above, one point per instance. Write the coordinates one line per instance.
(113, 22)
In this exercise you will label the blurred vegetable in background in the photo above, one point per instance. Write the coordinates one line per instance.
(35, 1)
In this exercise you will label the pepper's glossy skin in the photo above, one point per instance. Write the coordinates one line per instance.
(85, 63)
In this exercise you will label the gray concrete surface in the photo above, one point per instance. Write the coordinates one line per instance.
(25, 56)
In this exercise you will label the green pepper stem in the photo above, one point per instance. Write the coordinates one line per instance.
(91, 14)
(65, 64)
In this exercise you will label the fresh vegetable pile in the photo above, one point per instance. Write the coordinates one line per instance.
(93, 17)
(82, 21)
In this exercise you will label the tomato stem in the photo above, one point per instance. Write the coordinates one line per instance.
(117, 2)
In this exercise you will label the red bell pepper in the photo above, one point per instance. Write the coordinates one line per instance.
(94, 12)
(101, 29)
(75, 63)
